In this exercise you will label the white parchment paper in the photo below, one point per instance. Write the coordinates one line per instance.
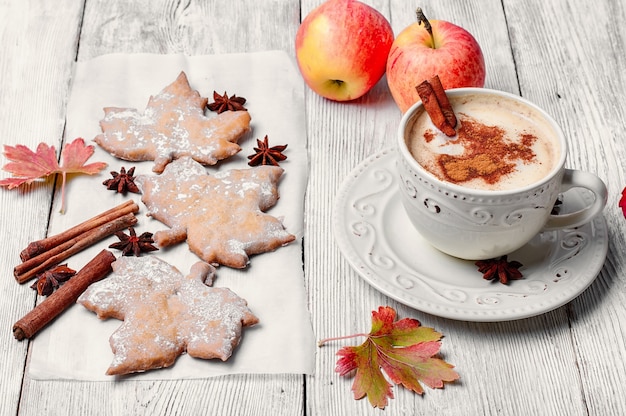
(76, 345)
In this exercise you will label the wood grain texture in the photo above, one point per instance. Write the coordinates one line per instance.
(578, 77)
(567, 56)
(232, 395)
(38, 48)
(189, 27)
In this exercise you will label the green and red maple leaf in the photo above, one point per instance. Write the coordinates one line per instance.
(27, 166)
(403, 349)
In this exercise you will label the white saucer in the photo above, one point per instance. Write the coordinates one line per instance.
(378, 240)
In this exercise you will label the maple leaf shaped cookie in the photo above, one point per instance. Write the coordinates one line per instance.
(173, 125)
(221, 216)
(166, 314)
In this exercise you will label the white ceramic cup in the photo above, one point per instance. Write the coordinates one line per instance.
(475, 224)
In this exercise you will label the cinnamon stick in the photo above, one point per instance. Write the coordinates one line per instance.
(30, 268)
(434, 107)
(37, 247)
(442, 99)
(64, 297)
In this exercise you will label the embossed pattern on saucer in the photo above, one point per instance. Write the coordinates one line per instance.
(376, 237)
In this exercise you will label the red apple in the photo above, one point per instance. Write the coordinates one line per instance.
(342, 48)
(417, 54)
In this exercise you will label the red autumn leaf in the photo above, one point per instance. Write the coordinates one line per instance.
(403, 349)
(27, 166)
(622, 202)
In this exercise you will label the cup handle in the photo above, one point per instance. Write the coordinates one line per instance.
(579, 179)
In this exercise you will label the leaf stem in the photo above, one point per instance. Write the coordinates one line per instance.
(324, 341)
(421, 18)
(64, 178)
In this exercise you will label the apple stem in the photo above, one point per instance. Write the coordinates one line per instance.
(422, 19)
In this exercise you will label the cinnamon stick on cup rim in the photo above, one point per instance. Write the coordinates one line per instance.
(437, 105)
(64, 297)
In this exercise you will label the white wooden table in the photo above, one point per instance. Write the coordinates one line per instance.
(568, 56)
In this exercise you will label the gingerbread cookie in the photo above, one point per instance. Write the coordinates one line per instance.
(173, 125)
(166, 314)
(221, 216)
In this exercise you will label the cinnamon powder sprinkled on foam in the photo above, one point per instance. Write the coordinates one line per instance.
(488, 155)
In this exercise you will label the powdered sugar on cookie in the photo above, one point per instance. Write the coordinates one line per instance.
(173, 125)
(166, 314)
(221, 216)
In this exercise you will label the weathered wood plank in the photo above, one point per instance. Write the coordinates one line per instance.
(38, 47)
(576, 72)
(189, 27)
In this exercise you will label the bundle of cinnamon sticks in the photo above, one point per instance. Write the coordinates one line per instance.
(437, 105)
(41, 255)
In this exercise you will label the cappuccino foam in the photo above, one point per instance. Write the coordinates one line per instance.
(501, 144)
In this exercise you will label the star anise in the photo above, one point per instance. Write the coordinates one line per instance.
(50, 280)
(500, 269)
(122, 182)
(266, 155)
(133, 245)
(224, 103)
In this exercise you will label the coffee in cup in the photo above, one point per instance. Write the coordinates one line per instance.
(488, 190)
(501, 144)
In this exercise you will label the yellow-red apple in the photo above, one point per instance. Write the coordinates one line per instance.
(435, 47)
(342, 48)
